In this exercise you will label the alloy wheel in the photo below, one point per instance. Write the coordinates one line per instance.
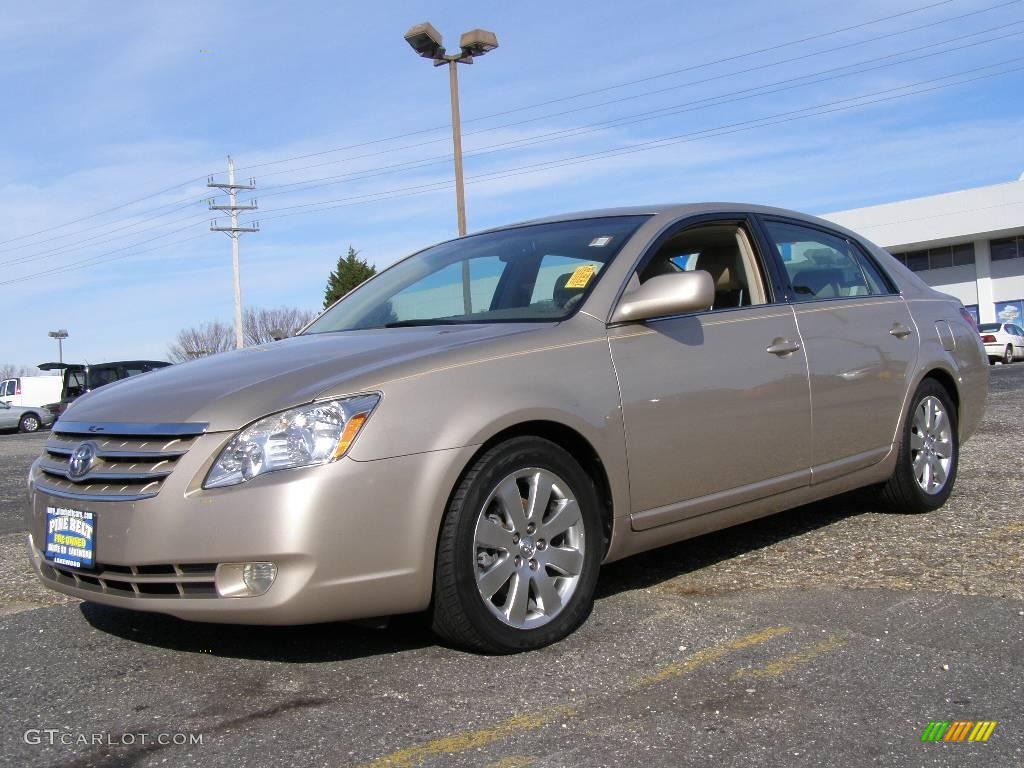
(529, 548)
(931, 445)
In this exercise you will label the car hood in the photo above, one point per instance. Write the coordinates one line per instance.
(229, 390)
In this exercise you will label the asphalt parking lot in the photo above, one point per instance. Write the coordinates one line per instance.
(825, 636)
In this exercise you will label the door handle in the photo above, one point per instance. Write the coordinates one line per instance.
(900, 331)
(782, 347)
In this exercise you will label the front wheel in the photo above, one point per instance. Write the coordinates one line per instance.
(519, 550)
(928, 454)
(29, 423)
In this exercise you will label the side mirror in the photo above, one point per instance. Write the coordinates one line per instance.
(665, 295)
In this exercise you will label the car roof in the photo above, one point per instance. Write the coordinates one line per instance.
(673, 210)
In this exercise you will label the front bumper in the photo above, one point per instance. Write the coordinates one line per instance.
(350, 539)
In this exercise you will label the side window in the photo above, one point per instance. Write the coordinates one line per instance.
(723, 250)
(821, 265)
(878, 283)
(7, 388)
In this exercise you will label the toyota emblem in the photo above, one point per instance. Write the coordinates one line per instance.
(81, 460)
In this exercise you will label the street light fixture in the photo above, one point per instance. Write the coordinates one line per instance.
(427, 42)
(59, 336)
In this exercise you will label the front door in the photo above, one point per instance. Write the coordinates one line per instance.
(715, 404)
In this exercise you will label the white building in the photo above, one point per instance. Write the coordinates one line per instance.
(969, 244)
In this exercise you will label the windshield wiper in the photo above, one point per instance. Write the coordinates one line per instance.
(424, 321)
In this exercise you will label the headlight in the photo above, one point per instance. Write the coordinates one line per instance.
(300, 437)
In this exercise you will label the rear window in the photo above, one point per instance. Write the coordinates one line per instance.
(990, 327)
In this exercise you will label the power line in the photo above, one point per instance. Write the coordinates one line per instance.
(579, 130)
(572, 132)
(705, 102)
(624, 84)
(63, 250)
(184, 202)
(771, 120)
(702, 81)
(101, 213)
(730, 128)
(551, 101)
(91, 260)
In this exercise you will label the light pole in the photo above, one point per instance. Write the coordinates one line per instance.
(426, 41)
(59, 336)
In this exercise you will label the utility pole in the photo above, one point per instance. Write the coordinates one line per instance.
(234, 231)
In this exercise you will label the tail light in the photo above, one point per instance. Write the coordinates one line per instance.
(969, 318)
(988, 339)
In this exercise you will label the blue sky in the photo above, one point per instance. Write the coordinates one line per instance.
(107, 103)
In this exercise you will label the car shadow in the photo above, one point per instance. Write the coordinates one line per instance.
(648, 569)
(340, 641)
(311, 643)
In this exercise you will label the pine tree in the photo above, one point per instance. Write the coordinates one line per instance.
(350, 272)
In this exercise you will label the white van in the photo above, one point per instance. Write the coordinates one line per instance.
(32, 391)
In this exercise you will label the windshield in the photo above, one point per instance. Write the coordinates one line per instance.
(525, 274)
(990, 326)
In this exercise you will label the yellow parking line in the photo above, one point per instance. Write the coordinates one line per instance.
(708, 655)
(468, 740)
(776, 669)
(464, 741)
(513, 761)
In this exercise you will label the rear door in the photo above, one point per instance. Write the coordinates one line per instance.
(715, 404)
(860, 340)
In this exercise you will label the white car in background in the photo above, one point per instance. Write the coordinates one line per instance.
(24, 418)
(1004, 342)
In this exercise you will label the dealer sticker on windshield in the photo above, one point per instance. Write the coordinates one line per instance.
(70, 537)
(581, 276)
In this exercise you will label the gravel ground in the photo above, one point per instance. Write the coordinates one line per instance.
(824, 636)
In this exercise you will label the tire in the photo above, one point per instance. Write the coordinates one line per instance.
(1008, 355)
(540, 579)
(29, 423)
(928, 455)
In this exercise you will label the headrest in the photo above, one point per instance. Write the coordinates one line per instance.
(561, 294)
(822, 283)
(723, 264)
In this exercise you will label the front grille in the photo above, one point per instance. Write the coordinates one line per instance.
(131, 462)
(191, 580)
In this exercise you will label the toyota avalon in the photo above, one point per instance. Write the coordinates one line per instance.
(474, 431)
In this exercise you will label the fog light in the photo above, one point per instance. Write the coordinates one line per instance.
(245, 579)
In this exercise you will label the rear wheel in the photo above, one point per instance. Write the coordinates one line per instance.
(29, 423)
(519, 550)
(1008, 355)
(928, 455)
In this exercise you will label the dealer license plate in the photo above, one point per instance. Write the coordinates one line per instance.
(70, 537)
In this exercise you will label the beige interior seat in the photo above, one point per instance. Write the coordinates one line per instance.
(723, 263)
